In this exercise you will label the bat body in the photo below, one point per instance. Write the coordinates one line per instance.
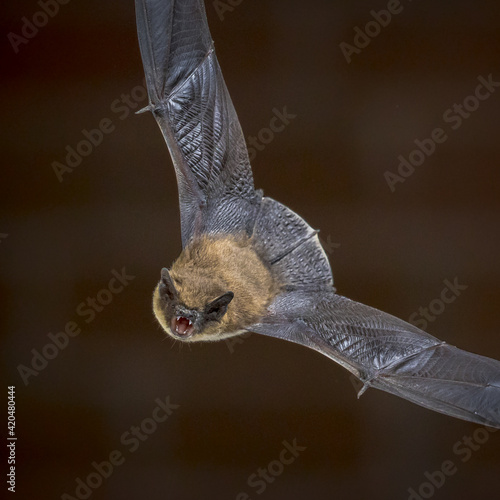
(250, 263)
(207, 269)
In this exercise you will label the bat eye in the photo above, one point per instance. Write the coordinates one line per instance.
(218, 307)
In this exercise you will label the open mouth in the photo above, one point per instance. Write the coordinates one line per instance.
(182, 327)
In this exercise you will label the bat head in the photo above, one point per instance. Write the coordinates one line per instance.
(192, 322)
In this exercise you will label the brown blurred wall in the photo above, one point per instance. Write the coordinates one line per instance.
(61, 241)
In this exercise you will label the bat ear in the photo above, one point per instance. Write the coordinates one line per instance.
(218, 307)
(167, 288)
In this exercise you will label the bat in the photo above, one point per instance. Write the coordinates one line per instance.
(250, 264)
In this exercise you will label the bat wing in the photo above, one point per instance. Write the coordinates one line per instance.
(387, 353)
(192, 106)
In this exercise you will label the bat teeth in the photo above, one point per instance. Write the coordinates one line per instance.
(182, 326)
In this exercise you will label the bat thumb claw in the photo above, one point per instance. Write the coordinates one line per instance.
(363, 389)
(143, 110)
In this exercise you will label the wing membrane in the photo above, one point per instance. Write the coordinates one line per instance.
(192, 106)
(387, 353)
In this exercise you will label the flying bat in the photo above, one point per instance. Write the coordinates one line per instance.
(250, 264)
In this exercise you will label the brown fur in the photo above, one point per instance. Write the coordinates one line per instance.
(214, 265)
(158, 311)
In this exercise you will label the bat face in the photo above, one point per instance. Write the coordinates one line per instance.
(194, 300)
(193, 322)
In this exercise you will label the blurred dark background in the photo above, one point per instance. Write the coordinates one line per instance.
(61, 241)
